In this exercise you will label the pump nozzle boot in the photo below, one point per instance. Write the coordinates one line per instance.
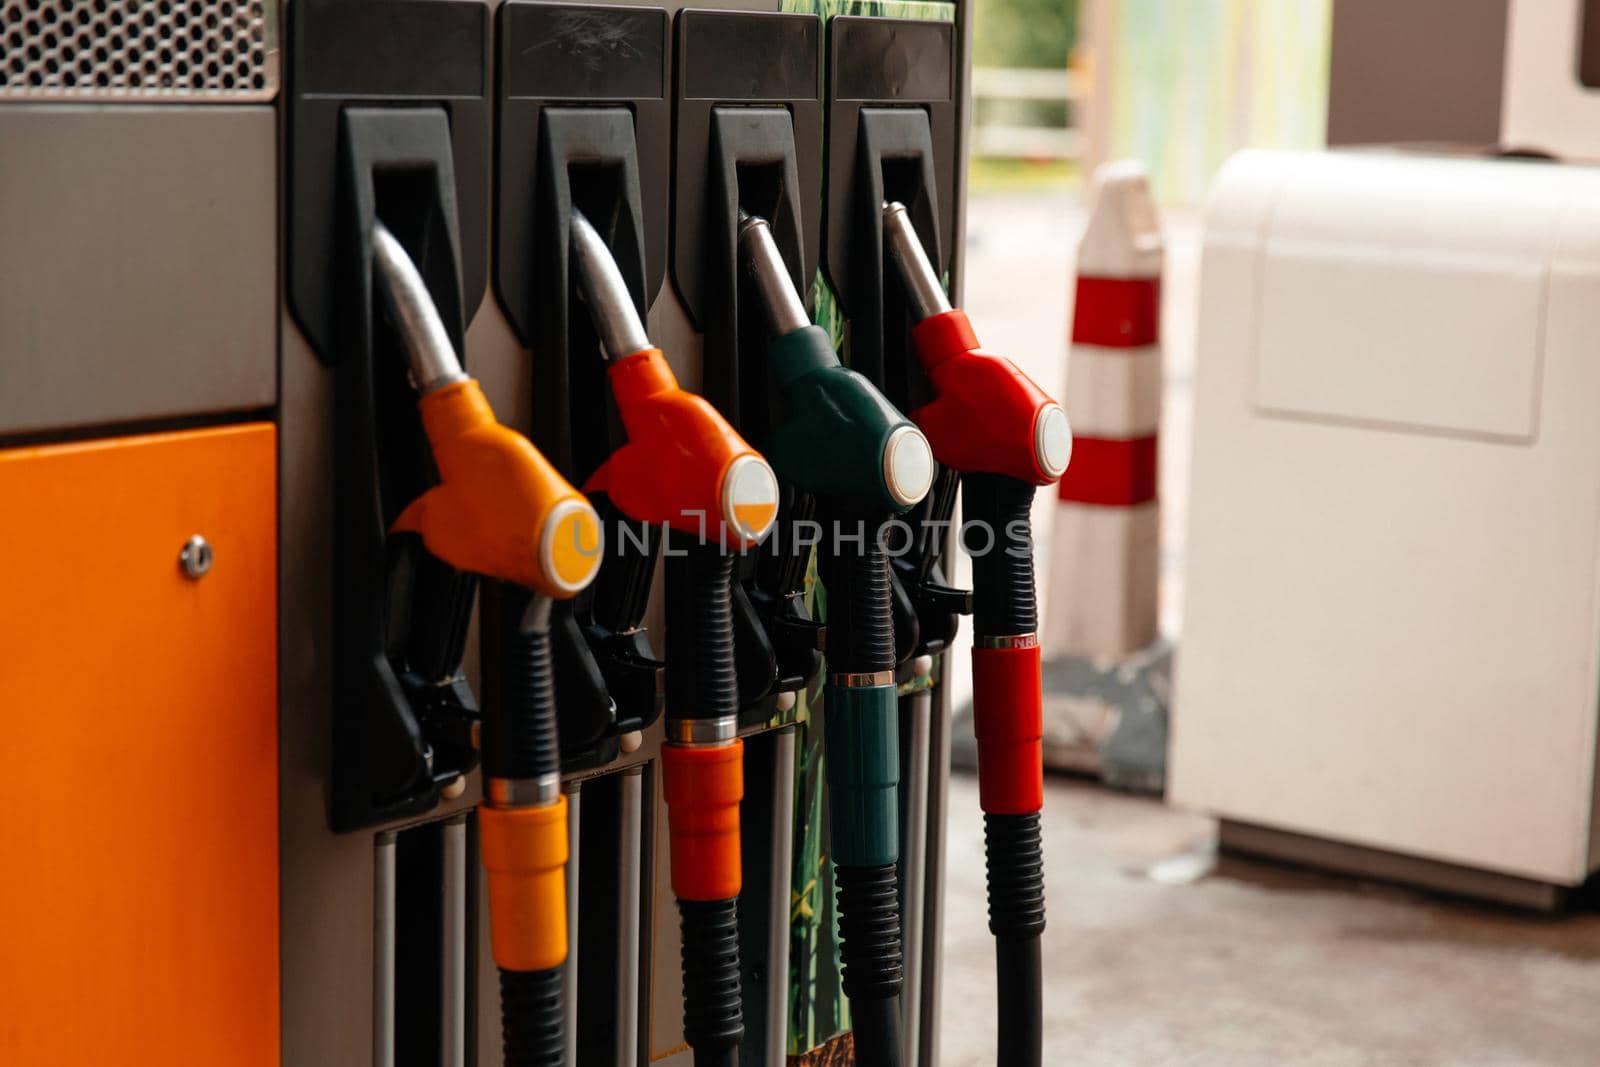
(685, 468)
(840, 440)
(1004, 436)
(503, 512)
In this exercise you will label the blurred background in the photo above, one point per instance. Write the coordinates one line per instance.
(1162, 947)
(1063, 86)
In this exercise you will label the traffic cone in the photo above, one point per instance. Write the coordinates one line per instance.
(1105, 544)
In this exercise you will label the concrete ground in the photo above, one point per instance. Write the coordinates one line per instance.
(1156, 952)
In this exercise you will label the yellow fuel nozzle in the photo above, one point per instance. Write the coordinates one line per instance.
(500, 509)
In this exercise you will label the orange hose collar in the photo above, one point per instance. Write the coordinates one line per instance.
(525, 854)
(703, 787)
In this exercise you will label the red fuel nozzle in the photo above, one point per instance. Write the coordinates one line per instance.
(685, 468)
(683, 465)
(1005, 436)
(987, 416)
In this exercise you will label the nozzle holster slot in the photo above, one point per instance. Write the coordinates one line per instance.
(894, 160)
(355, 53)
(749, 143)
(613, 883)
(585, 128)
(387, 122)
(729, 61)
(582, 127)
(753, 170)
(403, 712)
(892, 136)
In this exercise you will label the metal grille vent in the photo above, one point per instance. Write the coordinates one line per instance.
(114, 49)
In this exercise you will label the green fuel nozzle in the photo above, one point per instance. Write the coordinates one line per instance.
(840, 440)
(838, 436)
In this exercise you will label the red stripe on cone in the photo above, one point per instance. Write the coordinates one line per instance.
(1110, 473)
(1117, 312)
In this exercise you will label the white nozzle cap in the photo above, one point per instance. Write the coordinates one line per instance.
(907, 466)
(750, 497)
(1052, 440)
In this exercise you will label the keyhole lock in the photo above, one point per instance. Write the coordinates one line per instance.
(196, 557)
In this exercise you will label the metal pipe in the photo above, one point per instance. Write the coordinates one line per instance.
(383, 952)
(933, 899)
(433, 359)
(905, 248)
(631, 841)
(913, 866)
(784, 308)
(781, 877)
(569, 970)
(453, 949)
(602, 288)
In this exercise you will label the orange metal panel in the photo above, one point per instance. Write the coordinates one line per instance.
(138, 726)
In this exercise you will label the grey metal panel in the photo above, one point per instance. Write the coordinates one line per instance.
(936, 817)
(914, 869)
(326, 891)
(384, 936)
(488, 1000)
(200, 50)
(782, 856)
(569, 973)
(453, 983)
(138, 267)
(930, 1014)
(630, 842)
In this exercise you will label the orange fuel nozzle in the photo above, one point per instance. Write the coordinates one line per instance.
(500, 509)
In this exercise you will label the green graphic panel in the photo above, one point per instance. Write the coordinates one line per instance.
(818, 1010)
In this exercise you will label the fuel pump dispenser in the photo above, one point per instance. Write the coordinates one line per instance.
(409, 600)
(840, 441)
(1005, 437)
(380, 714)
(685, 470)
(587, 128)
(748, 136)
(502, 512)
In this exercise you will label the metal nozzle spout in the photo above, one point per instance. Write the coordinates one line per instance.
(785, 310)
(905, 248)
(432, 357)
(601, 285)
